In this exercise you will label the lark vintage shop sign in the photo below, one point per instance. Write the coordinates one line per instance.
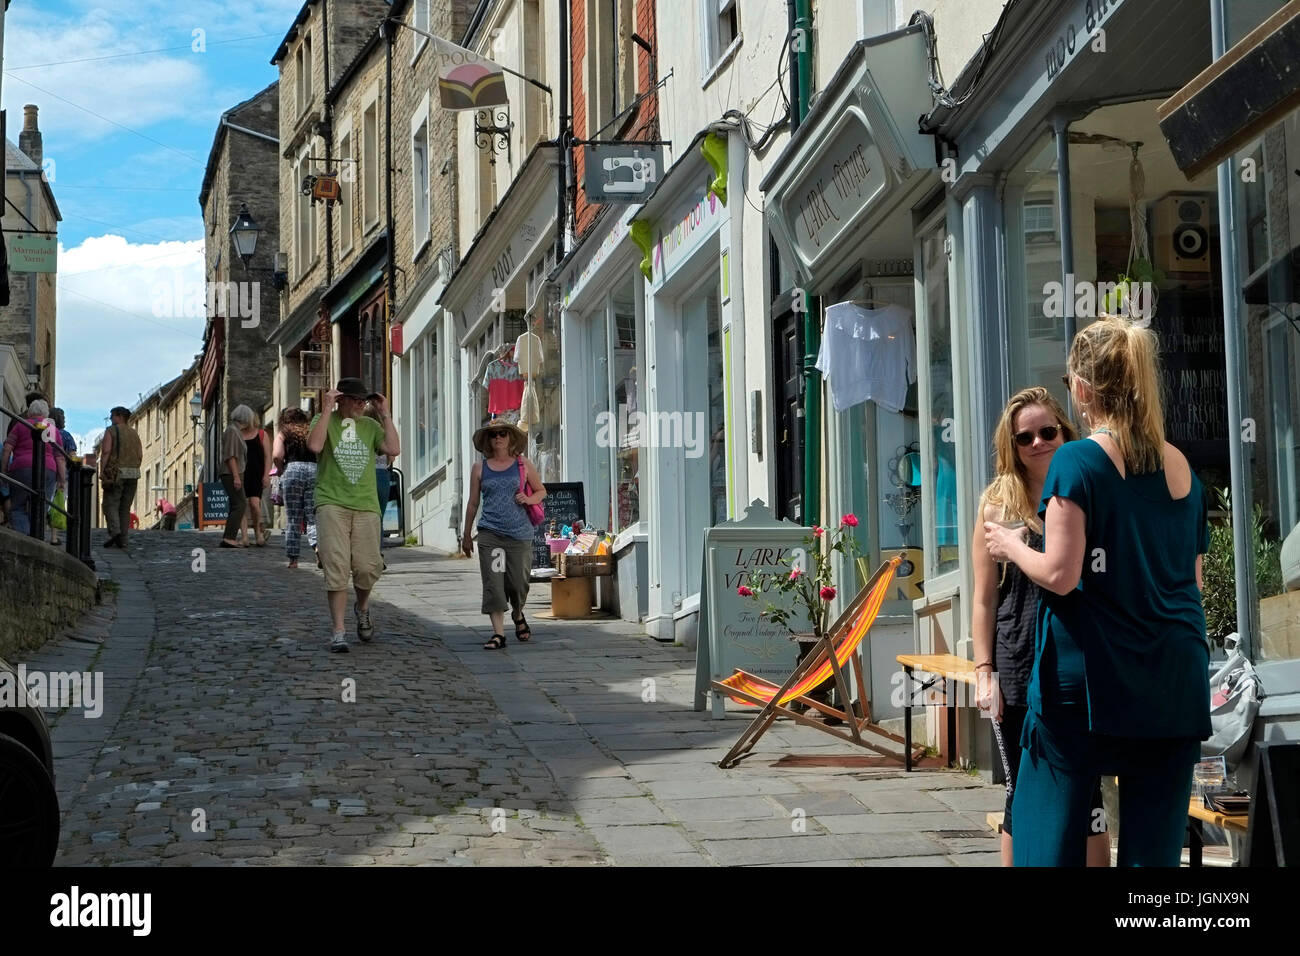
(846, 179)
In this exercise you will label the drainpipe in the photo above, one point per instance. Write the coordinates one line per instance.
(1234, 352)
(812, 400)
(562, 137)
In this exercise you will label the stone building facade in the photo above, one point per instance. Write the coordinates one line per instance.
(242, 301)
(28, 322)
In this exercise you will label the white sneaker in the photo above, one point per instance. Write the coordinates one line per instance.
(340, 643)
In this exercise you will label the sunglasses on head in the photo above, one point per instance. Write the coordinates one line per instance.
(1046, 433)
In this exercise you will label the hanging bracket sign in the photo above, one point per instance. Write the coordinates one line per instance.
(621, 172)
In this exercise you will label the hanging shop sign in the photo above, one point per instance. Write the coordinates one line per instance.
(1238, 96)
(733, 634)
(33, 253)
(621, 172)
(858, 156)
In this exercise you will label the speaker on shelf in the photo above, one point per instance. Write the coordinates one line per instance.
(1180, 235)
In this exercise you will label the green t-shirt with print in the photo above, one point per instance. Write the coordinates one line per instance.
(345, 468)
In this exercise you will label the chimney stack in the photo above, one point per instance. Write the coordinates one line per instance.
(29, 140)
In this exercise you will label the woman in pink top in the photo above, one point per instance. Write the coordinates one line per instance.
(21, 443)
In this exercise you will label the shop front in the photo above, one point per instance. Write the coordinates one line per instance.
(856, 213)
(602, 303)
(1063, 192)
(505, 323)
(425, 408)
(688, 443)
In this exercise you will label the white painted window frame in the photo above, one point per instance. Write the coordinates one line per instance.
(419, 42)
(370, 163)
(347, 186)
(421, 238)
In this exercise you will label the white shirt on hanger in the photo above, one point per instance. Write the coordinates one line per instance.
(868, 354)
(528, 353)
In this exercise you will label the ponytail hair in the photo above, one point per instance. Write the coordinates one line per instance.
(1121, 364)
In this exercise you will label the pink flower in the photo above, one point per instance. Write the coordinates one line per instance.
(794, 574)
(817, 531)
(850, 519)
(744, 591)
(827, 593)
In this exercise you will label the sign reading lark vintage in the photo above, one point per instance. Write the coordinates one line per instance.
(847, 177)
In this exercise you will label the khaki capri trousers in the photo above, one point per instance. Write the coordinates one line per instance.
(505, 565)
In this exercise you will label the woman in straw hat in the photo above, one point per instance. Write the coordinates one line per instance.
(505, 535)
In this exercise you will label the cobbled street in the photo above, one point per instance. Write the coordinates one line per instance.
(230, 735)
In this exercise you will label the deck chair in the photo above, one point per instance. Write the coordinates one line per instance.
(829, 657)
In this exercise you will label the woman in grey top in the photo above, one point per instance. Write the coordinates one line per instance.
(234, 457)
(505, 535)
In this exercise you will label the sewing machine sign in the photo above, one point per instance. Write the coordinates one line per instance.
(621, 172)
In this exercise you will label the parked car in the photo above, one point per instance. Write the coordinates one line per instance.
(29, 805)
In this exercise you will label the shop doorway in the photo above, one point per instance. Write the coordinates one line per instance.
(787, 373)
(699, 434)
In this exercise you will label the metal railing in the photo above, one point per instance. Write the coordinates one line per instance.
(78, 500)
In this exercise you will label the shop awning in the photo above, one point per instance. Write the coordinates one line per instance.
(856, 156)
(1241, 94)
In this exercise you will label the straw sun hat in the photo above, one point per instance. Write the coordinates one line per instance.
(518, 440)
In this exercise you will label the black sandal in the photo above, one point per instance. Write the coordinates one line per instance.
(523, 634)
(498, 641)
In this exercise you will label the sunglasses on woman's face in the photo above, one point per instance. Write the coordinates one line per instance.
(1046, 433)
(497, 434)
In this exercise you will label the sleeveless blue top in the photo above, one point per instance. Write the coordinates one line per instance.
(500, 514)
(1125, 654)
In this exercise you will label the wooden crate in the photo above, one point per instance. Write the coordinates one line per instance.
(572, 597)
(586, 565)
(1279, 626)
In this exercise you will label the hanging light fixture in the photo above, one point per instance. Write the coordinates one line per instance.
(244, 234)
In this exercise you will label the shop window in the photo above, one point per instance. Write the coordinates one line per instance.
(941, 501)
(419, 411)
(627, 363)
(1036, 329)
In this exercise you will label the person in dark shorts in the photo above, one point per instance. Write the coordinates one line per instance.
(1004, 619)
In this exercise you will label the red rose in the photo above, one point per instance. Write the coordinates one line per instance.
(850, 519)
(828, 593)
(794, 573)
(744, 591)
(817, 531)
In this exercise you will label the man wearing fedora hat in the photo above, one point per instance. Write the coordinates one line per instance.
(346, 441)
(505, 533)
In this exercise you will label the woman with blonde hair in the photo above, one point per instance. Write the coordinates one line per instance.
(1004, 618)
(1120, 684)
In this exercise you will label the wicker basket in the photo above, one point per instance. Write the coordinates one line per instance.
(585, 565)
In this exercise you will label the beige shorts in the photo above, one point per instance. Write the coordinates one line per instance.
(348, 541)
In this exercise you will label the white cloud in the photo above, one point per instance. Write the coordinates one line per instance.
(118, 336)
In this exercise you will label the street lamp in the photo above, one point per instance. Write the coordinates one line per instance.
(244, 234)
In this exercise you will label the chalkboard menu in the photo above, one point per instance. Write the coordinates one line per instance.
(1190, 331)
(564, 504)
(214, 504)
(731, 633)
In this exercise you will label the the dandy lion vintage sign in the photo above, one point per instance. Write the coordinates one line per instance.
(33, 253)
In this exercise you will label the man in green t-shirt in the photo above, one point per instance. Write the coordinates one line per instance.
(347, 506)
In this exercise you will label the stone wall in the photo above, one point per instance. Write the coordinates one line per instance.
(44, 590)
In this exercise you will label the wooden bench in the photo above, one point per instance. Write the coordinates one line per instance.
(946, 667)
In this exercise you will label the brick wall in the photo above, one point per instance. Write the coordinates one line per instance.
(45, 590)
(644, 123)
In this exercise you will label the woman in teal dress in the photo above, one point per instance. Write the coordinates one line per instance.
(1120, 684)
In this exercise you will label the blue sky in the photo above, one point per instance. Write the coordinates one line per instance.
(128, 137)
